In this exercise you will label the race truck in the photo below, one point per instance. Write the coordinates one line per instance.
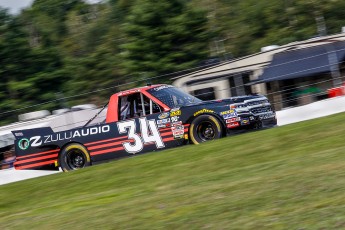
(138, 120)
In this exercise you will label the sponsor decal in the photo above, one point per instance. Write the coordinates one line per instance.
(245, 122)
(175, 119)
(177, 127)
(229, 114)
(203, 111)
(175, 113)
(231, 111)
(24, 143)
(163, 121)
(178, 134)
(175, 109)
(36, 141)
(162, 87)
(233, 125)
(176, 123)
(19, 134)
(231, 120)
(163, 115)
(177, 130)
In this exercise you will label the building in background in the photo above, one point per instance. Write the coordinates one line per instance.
(294, 74)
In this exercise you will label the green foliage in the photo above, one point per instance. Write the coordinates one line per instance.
(90, 75)
(92, 55)
(245, 26)
(163, 37)
(47, 19)
(28, 75)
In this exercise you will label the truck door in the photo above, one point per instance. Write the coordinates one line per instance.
(137, 118)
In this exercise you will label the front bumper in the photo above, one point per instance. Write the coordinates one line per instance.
(268, 119)
(269, 123)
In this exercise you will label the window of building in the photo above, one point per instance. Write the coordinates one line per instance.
(205, 94)
(238, 84)
(246, 80)
(233, 90)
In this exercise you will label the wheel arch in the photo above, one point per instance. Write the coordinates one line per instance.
(217, 116)
(222, 122)
(73, 142)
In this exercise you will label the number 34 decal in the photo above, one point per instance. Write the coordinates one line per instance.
(149, 134)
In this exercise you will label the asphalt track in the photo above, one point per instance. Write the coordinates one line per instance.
(284, 117)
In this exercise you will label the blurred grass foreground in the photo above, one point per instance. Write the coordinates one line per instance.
(289, 177)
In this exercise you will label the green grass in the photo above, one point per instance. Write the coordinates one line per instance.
(290, 177)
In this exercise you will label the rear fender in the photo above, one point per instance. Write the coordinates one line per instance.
(74, 142)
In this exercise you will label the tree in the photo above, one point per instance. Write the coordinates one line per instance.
(92, 53)
(28, 75)
(243, 27)
(46, 19)
(163, 37)
(15, 61)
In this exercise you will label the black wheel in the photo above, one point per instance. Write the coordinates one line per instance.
(258, 125)
(74, 156)
(205, 128)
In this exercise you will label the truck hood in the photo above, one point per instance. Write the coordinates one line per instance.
(242, 104)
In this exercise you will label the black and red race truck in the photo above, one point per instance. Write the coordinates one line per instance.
(137, 120)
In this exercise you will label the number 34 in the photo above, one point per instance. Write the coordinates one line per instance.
(149, 134)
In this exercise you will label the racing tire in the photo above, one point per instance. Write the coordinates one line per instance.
(258, 125)
(205, 128)
(74, 156)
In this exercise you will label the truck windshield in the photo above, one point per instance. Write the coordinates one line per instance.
(173, 97)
